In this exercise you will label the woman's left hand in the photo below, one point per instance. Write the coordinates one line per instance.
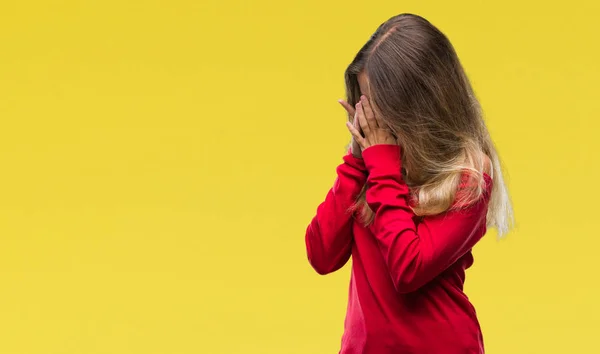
(375, 133)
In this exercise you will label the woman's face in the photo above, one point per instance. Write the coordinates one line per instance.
(363, 83)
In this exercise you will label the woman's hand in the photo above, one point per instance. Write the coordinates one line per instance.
(355, 148)
(373, 129)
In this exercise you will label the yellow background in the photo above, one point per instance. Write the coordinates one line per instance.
(161, 160)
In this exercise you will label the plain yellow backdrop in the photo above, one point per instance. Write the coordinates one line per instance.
(161, 160)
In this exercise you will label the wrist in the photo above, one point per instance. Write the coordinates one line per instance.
(354, 161)
(383, 159)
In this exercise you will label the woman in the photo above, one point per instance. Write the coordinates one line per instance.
(419, 187)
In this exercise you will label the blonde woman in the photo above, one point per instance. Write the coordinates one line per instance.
(418, 189)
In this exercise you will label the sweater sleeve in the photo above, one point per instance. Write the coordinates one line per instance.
(329, 234)
(415, 254)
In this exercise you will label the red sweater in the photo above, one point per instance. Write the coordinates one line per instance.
(406, 286)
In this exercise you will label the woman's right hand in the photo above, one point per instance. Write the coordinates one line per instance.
(355, 147)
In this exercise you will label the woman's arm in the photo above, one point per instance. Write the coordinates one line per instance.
(415, 255)
(329, 235)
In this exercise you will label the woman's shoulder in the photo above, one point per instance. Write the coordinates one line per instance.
(486, 171)
(474, 186)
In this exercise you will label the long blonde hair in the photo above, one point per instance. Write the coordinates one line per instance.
(420, 91)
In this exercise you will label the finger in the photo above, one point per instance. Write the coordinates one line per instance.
(348, 107)
(362, 120)
(356, 125)
(369, 114)
(356, 135)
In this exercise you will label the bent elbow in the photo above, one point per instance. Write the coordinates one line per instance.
(405, 285)
(409, 278)
(321, 269)
(318, 262)
(326, 259)
(326, 265)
